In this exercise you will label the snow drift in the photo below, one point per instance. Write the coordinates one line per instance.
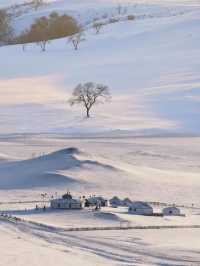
(44, 170)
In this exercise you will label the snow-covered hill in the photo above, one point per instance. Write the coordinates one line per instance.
(151, 66)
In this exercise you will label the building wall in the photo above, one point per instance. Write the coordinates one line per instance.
(171, 211)
(141, 211)
(65, 205)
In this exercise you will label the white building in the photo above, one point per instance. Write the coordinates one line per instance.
(171, 211)
(127, 202)
(97, 200)
(66, 203)
(141, 208)
(115, 202)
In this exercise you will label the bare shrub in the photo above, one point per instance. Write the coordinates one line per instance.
(97, 26)
(113, 20)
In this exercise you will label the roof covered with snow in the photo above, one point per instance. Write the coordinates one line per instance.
(140, 205)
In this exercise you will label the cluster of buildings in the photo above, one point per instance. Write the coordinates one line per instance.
(143, 208)
(134, 207)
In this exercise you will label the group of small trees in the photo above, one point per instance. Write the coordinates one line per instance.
(48, 28)
(98, 25)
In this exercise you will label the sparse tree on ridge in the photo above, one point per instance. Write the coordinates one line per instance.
(43, 44)
(62, 26)
(119, 9)
(76, 39)
(38, 3)
(40, 30)
(88, 95)
(6, 31)
(97, 26)
(24, 39)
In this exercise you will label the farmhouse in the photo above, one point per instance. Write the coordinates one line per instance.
(94, 201)
(127, 202)
(171, 211)
(115, 202)
(66, 202)
(141, 208)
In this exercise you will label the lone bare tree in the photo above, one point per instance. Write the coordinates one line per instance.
(76, 39)
(89, 94)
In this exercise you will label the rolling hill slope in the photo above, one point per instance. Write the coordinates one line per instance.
(151, 66)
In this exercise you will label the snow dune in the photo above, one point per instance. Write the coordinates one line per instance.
(45, 170)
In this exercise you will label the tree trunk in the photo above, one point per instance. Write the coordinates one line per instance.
(88, 113)
(43, 46)
(75, 45)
